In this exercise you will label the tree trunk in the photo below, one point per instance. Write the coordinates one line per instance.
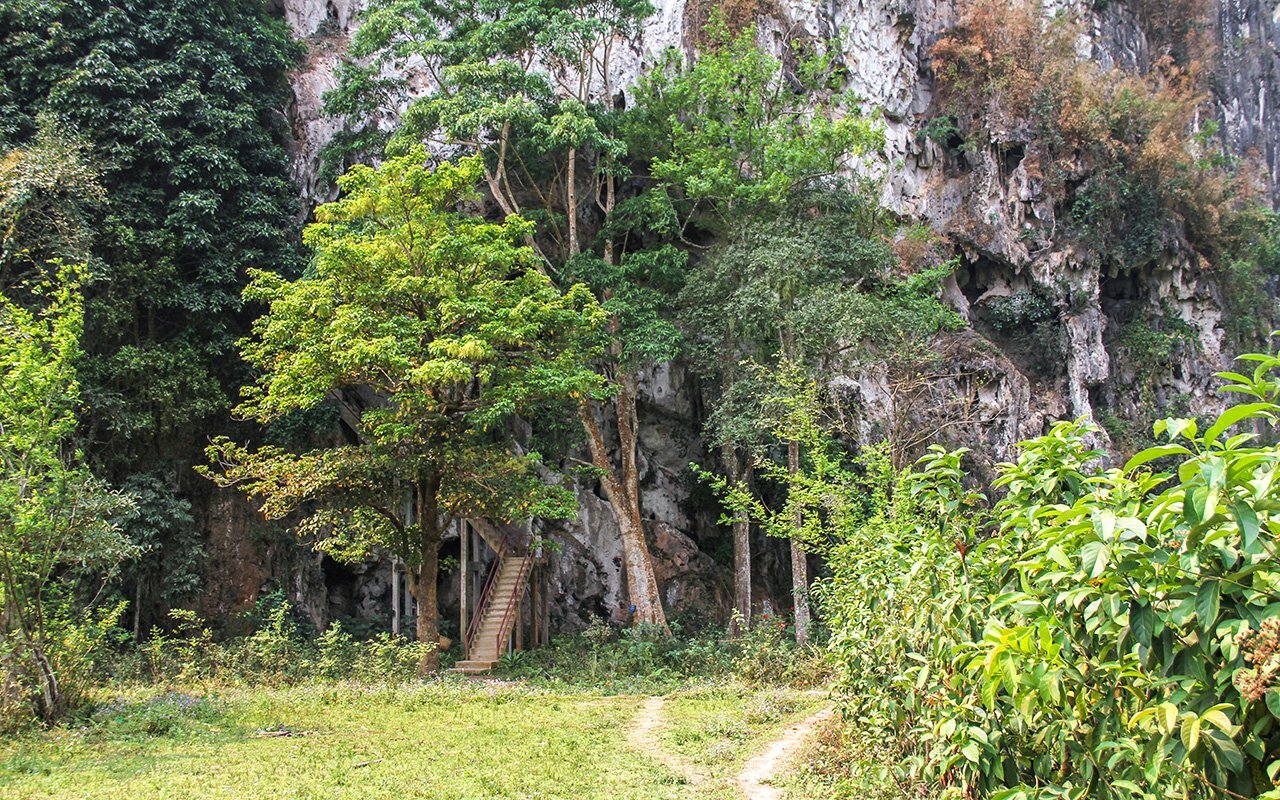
(51, 699)
(799, 563)
(642, 583)
(424, 593)
(137, 610)
(622, 492)
(740, 470)
(395, 597)
(427, 573)
(571, 201)
(622, 483)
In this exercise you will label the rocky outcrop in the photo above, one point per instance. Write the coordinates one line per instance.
(1046, 322)
(1247, 80)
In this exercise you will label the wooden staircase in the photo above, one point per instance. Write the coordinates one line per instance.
(497, 612)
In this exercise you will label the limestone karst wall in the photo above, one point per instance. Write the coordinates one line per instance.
(990, 209)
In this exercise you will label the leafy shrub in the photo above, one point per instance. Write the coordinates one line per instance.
(80, 644)
(646, 658)
(1152, 347)
(178, 655)
(1097, 632)
(1248, 266)
(388, 659)
(277, 653)
(273, 653)
(1018, 310)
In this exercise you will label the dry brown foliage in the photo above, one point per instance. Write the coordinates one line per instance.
(1176, 28)
(737, 15)
(1009, 73)
(990, 65)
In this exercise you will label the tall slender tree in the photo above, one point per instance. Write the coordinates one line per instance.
(735, 145)
(528, 85)
(54, 515)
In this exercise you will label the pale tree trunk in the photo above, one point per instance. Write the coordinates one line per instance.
(427, 572)
(799, 562)
(739, 471)
(622, 483)
(571, 201)
(18, 624)
(621, 488)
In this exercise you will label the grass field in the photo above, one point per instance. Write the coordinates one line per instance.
(429, 741)
(718, 727)
(452, 740)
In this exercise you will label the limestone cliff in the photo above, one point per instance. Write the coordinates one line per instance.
(1047, 319)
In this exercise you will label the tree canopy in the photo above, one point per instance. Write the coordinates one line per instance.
(435, 327)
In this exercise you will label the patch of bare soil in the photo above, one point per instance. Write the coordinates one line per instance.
(757, 774)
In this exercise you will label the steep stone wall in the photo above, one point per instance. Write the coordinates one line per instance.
(990, 386)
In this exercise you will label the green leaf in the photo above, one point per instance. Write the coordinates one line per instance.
(1225, 751)
(1152, 453)
(1094, 558)
(1234, 415)
(1181, 427)
(1207, 599)
(1193, 504)
(1058, 557)
(1272, 698)
(1141, 623)
(1190, 733)
(1218, 719)
(1247, 520)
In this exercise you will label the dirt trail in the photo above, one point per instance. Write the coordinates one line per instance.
(644, 737)
(762, 768)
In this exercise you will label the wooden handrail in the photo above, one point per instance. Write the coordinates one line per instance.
(474, 628)
(511, 544)
(513, 603)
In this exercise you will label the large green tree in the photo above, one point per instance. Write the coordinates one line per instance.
(744, 156)
(443, 317)
(528, 85)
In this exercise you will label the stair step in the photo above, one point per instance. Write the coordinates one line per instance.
(510, 582)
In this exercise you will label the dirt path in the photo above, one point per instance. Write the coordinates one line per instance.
(763, 767)
(644, 737)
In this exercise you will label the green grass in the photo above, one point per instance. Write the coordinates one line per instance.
(720, 727)
(462, 741)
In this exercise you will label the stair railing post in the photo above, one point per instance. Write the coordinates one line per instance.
(464, 534)
(395, 597)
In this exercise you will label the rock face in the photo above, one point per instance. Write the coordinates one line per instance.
(1248, 77)
(1045, 320)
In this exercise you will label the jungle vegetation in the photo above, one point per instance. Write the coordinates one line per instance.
(467, 327)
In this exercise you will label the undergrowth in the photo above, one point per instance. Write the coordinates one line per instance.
(647, 660)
